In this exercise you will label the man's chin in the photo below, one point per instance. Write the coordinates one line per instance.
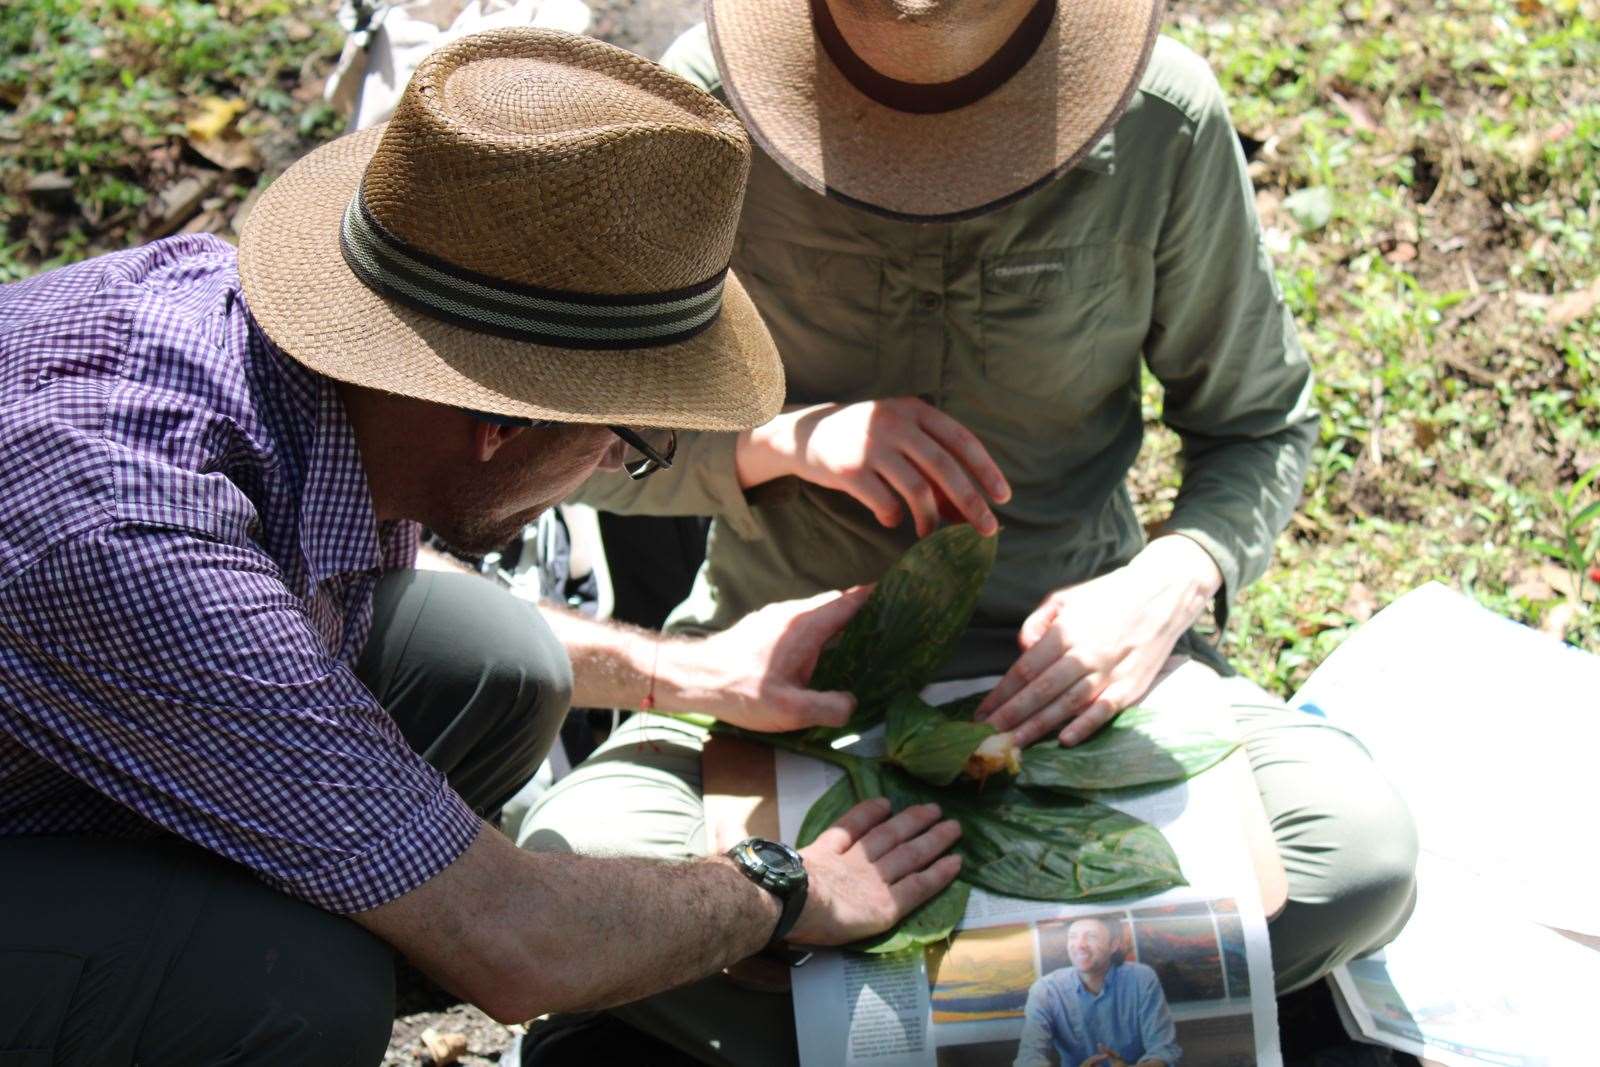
(480, 539)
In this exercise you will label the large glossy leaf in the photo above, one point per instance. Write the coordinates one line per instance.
(1142, 746)
(932, 922)
(1025, 843)
(837, 799)
(1045, 846)
(929, 744)
(909, 625)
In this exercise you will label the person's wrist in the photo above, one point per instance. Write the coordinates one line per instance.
(679, 682)
(1185, 575)
(691, 676)
(767, 910)
(1183, 562)
(765, 453)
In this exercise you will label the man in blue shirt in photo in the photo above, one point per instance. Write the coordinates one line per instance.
(1099, 1012)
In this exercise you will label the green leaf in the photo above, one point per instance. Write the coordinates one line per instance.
(837, 799)
(1141, 746)
(909, 625)
(929, 743)
(932, 922)
(1588, 478)
(1312, 207)
(935, 921)
(1045, 846)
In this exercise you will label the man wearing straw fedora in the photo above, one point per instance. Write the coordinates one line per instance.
(971, 225)
(218, 677)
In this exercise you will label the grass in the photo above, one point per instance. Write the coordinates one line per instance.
(1429, 182)
(97, 93)
(1429, 176)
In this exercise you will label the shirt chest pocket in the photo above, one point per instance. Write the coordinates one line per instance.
(823, 308)
(1042, 321)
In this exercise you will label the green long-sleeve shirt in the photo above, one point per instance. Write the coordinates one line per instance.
(1027, 325)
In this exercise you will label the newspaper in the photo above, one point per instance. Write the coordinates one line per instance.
(1490, 731)
(963, 1002)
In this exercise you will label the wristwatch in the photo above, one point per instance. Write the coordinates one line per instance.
(779, 870)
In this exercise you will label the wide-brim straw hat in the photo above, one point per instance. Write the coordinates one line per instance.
(932, 110)
(542, 230)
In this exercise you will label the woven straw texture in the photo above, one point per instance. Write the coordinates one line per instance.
(536, 158)
(835, 140)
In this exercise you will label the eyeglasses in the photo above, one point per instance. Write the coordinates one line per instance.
(649, 449)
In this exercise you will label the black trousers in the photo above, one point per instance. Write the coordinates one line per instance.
(156, 952)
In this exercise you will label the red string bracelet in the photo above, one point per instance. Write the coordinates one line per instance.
(649, 701)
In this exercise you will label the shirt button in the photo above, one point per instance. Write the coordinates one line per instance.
(929, 301)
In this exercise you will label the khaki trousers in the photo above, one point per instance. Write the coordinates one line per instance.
(1345, 838)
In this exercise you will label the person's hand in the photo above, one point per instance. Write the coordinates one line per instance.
(870, 869)
(891, 455)
(1091, 650)
(1104, 1058)
(755, 673)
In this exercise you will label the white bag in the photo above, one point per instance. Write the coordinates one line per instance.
(381, 52)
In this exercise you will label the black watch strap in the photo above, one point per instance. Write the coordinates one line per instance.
(793, 904)
(778, 869)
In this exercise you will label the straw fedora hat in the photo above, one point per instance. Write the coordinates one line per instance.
(542, 230)
(930, 110)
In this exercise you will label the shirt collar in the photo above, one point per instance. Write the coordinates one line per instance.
(338, 529)
(1105, 984)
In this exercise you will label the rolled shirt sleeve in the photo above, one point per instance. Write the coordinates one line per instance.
(178, 676)
(701, 481)
(1237, 381)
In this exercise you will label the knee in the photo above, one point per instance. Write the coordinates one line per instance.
(265, 978)
(1347, 899)
(343, 1016)
(512, 672)
(1383, 875)
(527, 668)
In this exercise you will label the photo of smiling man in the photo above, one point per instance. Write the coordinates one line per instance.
(1102, 1011)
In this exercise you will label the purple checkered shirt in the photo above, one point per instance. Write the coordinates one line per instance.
(187, 558)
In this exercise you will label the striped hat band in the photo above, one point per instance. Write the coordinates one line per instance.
(442, 290)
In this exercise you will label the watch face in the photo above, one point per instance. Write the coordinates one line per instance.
(781, 859)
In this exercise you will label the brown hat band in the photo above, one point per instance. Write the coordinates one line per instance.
(934, 97)
(442, 290)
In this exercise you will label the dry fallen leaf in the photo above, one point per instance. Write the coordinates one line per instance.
(442, 1049)
(1558, 619)
(1404, 252)
(1570, 307)
(212, 133)
(1360, 602)
(214, 116)
(1355, 111)
(1528, 584)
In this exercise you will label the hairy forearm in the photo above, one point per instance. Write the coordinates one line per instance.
(524, 933)
(617, 666)
(622, 929)
(611, 662)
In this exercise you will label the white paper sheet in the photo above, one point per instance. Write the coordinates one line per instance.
(1491, 732)
(851, 1009)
